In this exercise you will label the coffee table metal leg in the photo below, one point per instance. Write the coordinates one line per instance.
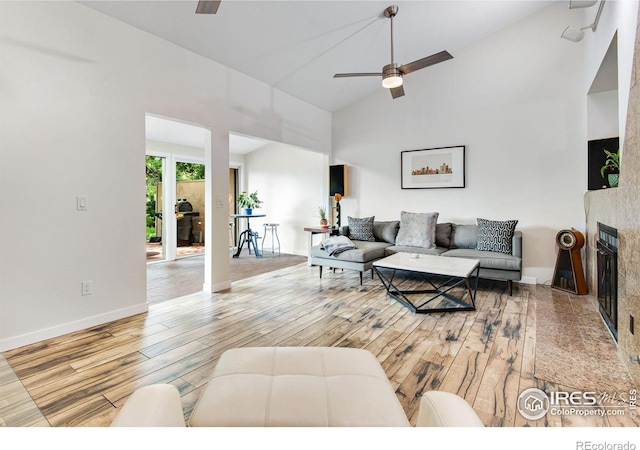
(402, 296)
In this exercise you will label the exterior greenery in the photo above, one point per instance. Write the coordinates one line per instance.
(184, 172)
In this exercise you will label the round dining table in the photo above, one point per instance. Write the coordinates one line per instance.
(248, 236)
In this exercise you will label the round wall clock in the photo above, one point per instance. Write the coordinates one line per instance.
(566, 239)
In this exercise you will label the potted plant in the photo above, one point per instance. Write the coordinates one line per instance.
(322, 213)
(612, 164)
(247, 202)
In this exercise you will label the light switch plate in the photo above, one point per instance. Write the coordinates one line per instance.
(82, 203)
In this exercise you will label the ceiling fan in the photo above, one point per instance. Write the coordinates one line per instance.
(208, 7)
(392, 73)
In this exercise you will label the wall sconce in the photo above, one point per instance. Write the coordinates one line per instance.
(575, 35)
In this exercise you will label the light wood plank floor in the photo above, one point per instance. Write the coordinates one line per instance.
(486, 356)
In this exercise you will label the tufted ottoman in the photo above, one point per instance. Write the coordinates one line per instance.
(298, 386)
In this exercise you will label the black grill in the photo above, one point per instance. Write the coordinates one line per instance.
(185, 223)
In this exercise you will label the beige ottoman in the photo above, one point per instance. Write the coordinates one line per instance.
(298, 386)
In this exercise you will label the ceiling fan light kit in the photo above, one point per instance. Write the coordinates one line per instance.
(392, 74)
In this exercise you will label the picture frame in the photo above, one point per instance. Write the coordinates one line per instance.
(433, 168)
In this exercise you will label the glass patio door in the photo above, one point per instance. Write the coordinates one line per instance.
(155, 173)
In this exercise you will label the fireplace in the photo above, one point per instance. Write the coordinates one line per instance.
(607, 246)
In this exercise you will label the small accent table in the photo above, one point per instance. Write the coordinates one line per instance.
(442, 273)
(319, 230)
(249, 236)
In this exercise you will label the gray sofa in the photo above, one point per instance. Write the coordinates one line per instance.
(451, 240)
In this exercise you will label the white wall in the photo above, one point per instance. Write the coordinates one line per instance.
(180, 151)
(75, 88)
(515, 100)
(292, 184)
(621, 17)
(602, 115)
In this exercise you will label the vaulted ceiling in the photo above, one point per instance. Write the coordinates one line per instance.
(297, 46)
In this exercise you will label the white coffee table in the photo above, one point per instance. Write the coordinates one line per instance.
(442, 273)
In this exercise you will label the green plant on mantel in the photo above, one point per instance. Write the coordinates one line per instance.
(612, 163)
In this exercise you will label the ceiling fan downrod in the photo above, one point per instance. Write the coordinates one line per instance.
(391, 75)
(391, 12)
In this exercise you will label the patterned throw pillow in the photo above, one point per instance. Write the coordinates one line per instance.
(495, 236)
(361, 229)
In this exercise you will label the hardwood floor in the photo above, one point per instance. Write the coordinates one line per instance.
(487, 356)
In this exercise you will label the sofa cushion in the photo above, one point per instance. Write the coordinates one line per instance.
(495, 235)
(488, 260)
(365, 251)
(463, 236)
(361, 229)
(443, 235)
(417, 229)
(422, 251)
(386, 231)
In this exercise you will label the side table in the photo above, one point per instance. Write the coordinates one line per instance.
(319, 230)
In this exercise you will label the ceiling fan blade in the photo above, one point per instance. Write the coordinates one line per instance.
(425, 62)
(208, 7)
(364, 74)
(397, 91)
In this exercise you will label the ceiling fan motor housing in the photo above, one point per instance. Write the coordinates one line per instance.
(391, 76)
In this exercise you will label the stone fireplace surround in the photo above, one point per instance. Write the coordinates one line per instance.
(620, 208)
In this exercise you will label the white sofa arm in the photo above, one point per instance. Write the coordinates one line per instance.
(157, 405)
(444, 409)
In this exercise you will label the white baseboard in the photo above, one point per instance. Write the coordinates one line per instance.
(528, 280)
(59, 330)
(216, 287)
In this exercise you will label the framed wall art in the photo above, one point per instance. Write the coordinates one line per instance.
(433, 168)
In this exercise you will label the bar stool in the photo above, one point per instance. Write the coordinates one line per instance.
(273, 227)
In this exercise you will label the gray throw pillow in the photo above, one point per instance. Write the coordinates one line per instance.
(417, 229)
(443, 235)
(361, 229)
(386, 231)
(496, 235)
(463, 236)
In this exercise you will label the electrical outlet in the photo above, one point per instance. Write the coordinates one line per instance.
(86, 288)
(219, 203)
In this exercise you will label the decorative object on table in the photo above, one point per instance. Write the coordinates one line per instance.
(248, 202)
(611, 167)
(322, 213)
(433, 168)
(596, 158)
(569, 274)
(337, 197)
